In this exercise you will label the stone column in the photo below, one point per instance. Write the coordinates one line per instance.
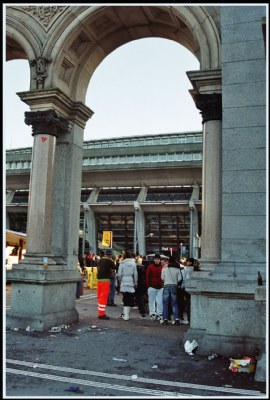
(89, 216)
(91, 220)
(194, 221)
(210, 106)
(139, 225)
(45, 295)
(46, 126)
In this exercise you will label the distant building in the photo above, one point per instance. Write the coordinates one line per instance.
(153, 178)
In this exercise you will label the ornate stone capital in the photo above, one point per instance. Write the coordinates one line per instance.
(46, 122)
(75, 112)
(210, 106)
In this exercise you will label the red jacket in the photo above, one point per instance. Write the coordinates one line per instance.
(153, 276)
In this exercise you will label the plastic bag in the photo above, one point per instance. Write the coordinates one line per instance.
(247, 364)
(191, 347)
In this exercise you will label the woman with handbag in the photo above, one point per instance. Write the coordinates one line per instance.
(171, 275)
(184, 297)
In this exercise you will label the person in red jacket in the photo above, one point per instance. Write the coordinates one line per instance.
(155, 288)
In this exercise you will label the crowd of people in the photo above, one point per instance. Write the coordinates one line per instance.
(155, 287)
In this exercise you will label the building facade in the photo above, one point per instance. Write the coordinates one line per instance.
(154, 179)
(64, 45)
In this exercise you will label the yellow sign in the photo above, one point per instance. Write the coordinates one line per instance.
(107, 238)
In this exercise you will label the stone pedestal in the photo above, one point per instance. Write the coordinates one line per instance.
(42, 296)
(227, 314)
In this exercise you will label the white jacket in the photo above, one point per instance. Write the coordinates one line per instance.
(128, 275)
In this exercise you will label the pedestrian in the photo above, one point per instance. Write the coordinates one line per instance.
(112, 286)
(171, 275)
(141, 290)
(88, 259)
(154, 284)
(81, 262)
(128, 277)
(181, 295)
(104, 266)
(79, 287)
(191, 265)
(117, 282)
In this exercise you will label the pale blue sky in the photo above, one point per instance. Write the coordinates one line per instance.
(141, 88)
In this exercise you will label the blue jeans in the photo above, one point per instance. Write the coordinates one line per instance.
(112, 291)
(170, 295)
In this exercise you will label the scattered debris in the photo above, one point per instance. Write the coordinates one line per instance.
(191, 347)
(154, 366)
(247, 364)
(119, 359)
(134, 376)
(55, 329)
(74, 389)
(212, 356)
(28, 329)
(93, 327)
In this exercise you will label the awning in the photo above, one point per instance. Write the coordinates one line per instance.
(14, 238)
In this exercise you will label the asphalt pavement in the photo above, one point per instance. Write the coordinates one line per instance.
(115, 358)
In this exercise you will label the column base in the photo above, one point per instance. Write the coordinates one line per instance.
(224, 345)
(208, 265)
(41, 322)
(228, 315)
(38, 259)
(42, 297)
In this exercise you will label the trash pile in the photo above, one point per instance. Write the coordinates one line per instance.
(246, 364)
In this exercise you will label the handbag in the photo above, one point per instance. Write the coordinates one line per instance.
(179, 283)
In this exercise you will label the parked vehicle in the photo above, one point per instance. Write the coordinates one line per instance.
(150, 257)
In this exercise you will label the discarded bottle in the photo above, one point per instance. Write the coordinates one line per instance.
(212, 356)
(55, 329)
(45, 261)
(260, 282)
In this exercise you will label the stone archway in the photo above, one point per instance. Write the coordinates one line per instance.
(98, 31)
(70, 42)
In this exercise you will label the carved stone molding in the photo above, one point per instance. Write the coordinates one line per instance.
(41, 64)
(210, 106)
(46, 122)
(45, 15)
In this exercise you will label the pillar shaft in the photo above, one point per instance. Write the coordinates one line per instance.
(39, 222)
(46, 126)
(211, 193)
(210, 106)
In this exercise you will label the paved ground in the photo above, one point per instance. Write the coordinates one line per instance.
(115, 358)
